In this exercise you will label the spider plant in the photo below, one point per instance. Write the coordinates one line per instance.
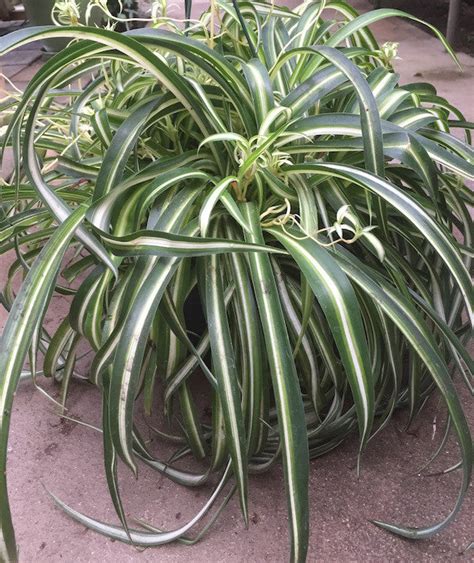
(267, 164)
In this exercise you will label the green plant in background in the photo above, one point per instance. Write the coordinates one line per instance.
(288, 180)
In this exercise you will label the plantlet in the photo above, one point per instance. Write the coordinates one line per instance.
(268, 162)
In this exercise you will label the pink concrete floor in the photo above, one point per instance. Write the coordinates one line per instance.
(66, 457)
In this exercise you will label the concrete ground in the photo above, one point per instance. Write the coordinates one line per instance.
(66, 458)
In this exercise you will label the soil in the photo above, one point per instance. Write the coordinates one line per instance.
(66, 459)
(435, 12)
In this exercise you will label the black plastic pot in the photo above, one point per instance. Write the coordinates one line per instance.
(38, 12)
